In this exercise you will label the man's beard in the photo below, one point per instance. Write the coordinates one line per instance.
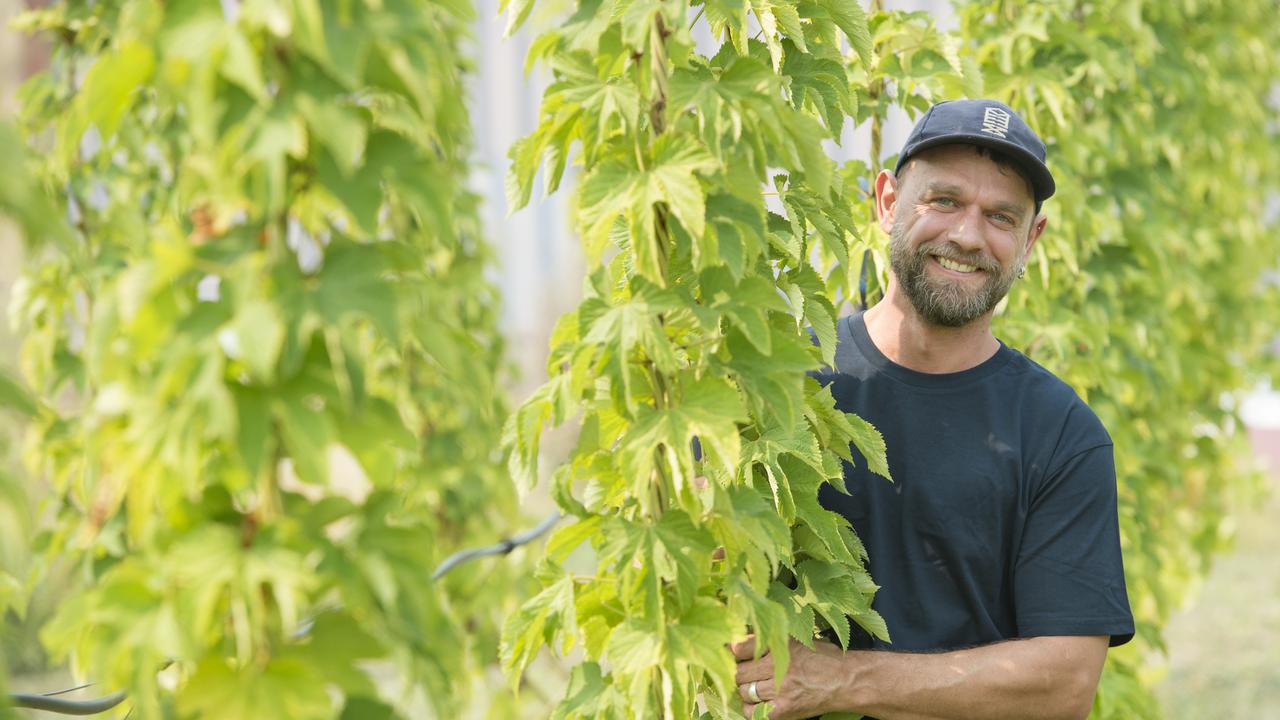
(942, 301)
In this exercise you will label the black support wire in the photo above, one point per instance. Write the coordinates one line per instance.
(50, 703)
(501, 548)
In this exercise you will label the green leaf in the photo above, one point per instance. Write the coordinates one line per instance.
(607, 191)
(364, 708)
(821, 316)
(636, 323)
(335, 646)
(672, 550)
(634, 648)
(837, 594)
(821, 83)
(589, 695)
(720, 100)
(253, 437)
(699, 639)
(849, 428)
(306, 433)
(606, 102)
(776, 376)
(259, 333)
(767, 620)
(241, 66)
(517, 13)
(728, 16)
(353, 281)
(827, 526)
(535, 624)
(707, 409)
(15, 397)
(110, 84)
(849, 16)
(568, 538)
(284, 688)
(339, 128)
(747, 304)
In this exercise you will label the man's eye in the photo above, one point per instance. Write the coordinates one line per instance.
(1002, 219)
(944, 201)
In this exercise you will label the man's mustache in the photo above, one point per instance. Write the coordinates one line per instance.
(952, 252)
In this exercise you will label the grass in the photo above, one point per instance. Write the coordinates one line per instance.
(1224, 650)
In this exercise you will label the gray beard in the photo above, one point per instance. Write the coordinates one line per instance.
(940, 301)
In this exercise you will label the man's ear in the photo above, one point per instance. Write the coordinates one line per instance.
(886, 199)
(1038, 225)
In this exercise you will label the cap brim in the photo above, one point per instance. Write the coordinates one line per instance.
(1041, 179)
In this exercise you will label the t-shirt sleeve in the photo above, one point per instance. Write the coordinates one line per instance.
(1069, 574)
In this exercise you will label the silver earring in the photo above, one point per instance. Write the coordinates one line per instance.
(1022, 271)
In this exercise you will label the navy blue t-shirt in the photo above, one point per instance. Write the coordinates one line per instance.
(1001, 521)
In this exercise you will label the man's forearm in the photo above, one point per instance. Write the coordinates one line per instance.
(1052, 677)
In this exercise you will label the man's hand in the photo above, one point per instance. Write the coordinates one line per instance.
(1041, 678)
(813, 679)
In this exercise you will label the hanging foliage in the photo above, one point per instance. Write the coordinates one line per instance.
(265, 356)
(705, 191)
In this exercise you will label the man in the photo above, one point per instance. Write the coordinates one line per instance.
(997, 545)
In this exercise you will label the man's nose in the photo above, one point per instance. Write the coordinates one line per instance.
(966, 232)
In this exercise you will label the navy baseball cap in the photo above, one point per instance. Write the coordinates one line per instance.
(988, 123)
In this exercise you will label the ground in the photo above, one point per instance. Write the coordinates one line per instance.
(1225, 648)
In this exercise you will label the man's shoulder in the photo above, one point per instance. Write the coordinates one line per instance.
(1040, 379)
(1043, 394)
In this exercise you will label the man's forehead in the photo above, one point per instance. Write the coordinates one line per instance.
(952, 167)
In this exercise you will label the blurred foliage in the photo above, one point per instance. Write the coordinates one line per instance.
(705, 190)
(22, 202)
(262, 355)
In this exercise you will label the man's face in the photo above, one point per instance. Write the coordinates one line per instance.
(961, 228)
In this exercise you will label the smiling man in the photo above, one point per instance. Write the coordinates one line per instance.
(997, 547)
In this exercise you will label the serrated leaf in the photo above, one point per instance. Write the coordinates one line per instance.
(822, 83)
(728, 16)
(699, 639)
(849, 16)
(535, 624)
(767, 620)
(607, 103)
(720, 100)
(672, 550)
(636, 323)
(707, 409)
(837, 594)
(589, 695)
(568, 538)
(673, 180)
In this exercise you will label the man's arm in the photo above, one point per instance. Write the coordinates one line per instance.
(1044, 677)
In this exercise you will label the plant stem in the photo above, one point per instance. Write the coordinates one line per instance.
(874, 90)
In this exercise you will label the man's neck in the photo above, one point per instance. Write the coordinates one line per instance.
(904, 337)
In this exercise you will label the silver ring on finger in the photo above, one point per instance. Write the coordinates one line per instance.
(752, 692)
